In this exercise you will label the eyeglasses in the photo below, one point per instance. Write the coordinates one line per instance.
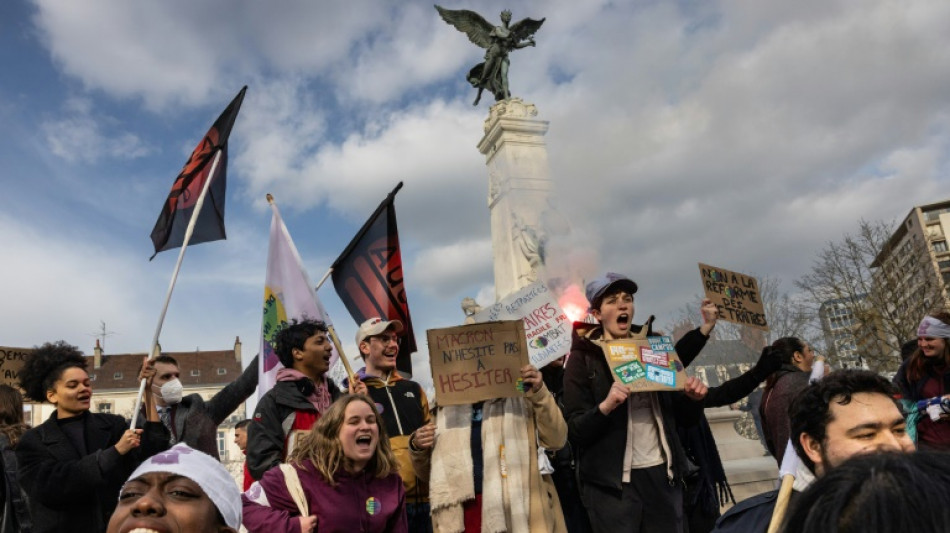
(386, 339)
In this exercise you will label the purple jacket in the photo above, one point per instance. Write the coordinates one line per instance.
(357, 503)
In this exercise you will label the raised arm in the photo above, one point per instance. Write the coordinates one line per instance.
(228, 399)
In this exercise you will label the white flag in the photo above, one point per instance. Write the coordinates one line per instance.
(288, 294)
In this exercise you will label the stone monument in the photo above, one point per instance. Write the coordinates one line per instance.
(519, 189)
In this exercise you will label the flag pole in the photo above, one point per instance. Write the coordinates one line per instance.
(339, 350)
(324, 279)
(171, 285)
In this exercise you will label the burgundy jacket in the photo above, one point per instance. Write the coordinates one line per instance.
(357, 503)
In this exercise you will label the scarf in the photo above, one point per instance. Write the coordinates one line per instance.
(506, 475)
(932, 327)
(320, 397)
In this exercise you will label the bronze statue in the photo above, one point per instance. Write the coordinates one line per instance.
(497, 41)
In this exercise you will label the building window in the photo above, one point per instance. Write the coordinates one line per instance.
(105, 407)
(943, 264)
(940, 246)
(92, 377)
(117, 375)
(195, 373)
(222, 371)
(223, 445)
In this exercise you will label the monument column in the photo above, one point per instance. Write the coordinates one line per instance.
(519, 186)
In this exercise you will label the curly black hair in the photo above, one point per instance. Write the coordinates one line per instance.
(293, 335)
(810, 411)
(46, 365)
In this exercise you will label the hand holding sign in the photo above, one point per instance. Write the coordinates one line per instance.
(710, 315)
(615, 397)
(424, 437)
(532, 378)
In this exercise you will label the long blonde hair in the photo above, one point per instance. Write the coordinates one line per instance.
(323, 448)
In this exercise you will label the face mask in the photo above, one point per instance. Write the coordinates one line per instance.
(171, 391)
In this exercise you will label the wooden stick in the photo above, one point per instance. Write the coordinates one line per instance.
(781, 503)
(339, 350)
(189, 230)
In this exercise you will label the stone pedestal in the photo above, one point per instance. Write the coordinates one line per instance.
(747, 468)
(519, 187)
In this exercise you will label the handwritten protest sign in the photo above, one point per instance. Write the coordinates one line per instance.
(645, 364)
(11, 361)
(736, 295)
(477, 362)
(547, 328)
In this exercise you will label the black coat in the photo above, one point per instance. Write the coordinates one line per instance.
(273, 418)
(600, 440)
(74, 493)
(14, 510)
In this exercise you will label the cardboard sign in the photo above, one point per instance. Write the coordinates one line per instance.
(645, 364)
(11, 361)
(477, 362)
(547, 328)
(736, 295)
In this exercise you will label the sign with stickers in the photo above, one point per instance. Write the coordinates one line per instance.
(477, 362)
(645, 364)
(547, 328)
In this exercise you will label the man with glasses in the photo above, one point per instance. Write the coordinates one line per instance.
(403, 407)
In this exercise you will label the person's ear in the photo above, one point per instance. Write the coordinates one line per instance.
(51, 396)
(812, 448)
(596, 314)
(364, 348)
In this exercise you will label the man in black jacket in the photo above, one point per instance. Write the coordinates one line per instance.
(404, 409)
(191, 419)
(300, 396)
(630, 461)
(847, 413)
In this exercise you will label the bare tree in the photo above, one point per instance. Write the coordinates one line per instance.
(885, 290)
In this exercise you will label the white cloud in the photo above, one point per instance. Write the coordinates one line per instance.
(79, 136)
(740, 134)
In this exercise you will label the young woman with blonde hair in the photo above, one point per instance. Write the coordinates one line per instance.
(347, 479)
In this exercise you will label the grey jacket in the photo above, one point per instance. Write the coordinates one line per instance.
(195, 421)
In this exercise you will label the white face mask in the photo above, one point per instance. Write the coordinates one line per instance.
(171, 391)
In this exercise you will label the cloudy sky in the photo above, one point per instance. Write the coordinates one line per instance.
(742, 134)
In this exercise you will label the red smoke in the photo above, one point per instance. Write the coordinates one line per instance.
(573, 302)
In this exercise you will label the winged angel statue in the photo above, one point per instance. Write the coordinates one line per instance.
(497, 41)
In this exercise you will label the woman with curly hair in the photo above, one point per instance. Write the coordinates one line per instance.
(925, 375)
(14, 513)
(348, 479)
(73, 465)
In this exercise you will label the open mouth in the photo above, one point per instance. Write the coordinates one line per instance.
(623, 319)
(143, 530)
(364, 440)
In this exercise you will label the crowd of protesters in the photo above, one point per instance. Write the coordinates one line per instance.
(577, 452)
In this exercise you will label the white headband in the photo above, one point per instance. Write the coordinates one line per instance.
(932, 327)
(204, 470)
